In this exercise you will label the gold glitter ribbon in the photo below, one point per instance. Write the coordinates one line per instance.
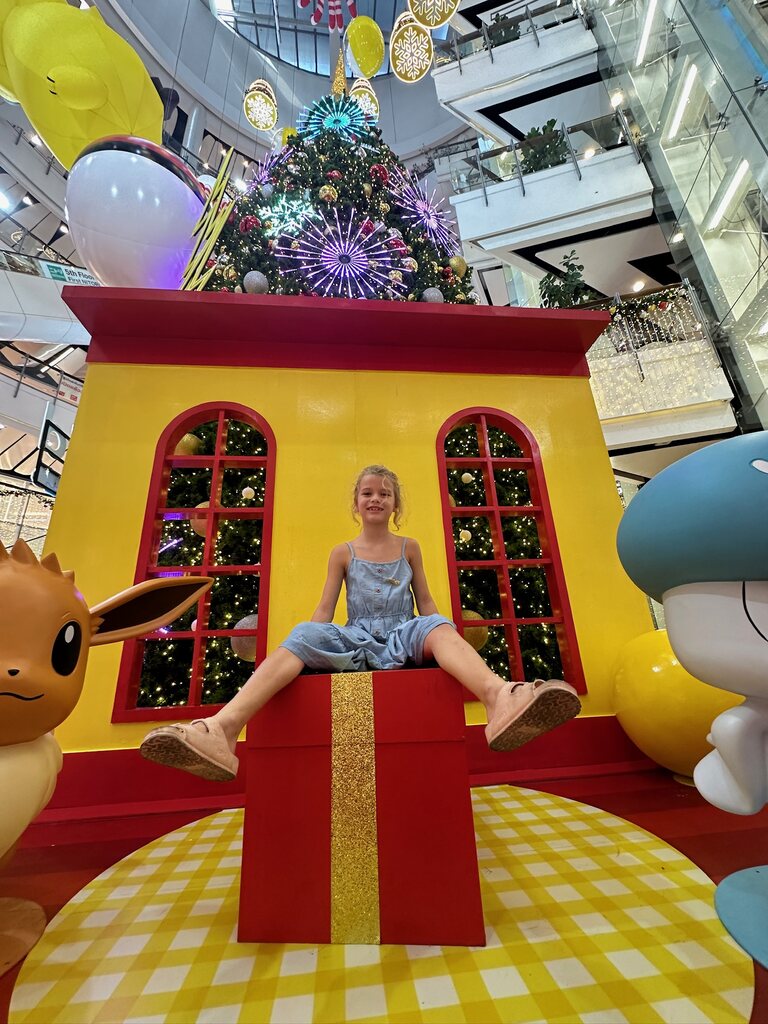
(354, 847)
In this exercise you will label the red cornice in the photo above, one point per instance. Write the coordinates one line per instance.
(223, 329)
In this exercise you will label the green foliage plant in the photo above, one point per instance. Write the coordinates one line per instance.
(567, 289)
(543, 147)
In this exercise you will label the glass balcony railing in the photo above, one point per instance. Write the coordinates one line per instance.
(575, 145)
(697, 101)
(508, 24)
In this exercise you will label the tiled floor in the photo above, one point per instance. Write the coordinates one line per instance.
(589, 919)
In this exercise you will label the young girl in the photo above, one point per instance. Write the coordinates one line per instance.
(383, 574)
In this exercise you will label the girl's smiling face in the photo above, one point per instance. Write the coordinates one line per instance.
(375, 499)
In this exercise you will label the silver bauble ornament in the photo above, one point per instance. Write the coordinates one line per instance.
(432, 295)
(267, 190)
(255, 283)
(245, 646)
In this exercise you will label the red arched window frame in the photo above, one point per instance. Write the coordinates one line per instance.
(485, 462)
(157, 511)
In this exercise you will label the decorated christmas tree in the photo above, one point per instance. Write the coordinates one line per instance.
(335, 213)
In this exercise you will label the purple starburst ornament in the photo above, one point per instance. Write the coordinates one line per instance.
(421, 212)
(267, 167)
(336, 259)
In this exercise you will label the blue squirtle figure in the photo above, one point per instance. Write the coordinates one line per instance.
(696, 538)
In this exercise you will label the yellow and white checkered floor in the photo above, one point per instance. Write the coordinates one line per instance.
(588, 919)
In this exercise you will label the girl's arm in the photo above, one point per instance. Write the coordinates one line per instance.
(424, 600)
(337, 565)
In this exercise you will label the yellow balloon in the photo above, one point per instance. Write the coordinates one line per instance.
(665, 711)
(366, 44)
(75, 78)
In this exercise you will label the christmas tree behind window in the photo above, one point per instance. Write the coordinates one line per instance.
(504, 576)
(210, 521)
(336, 214)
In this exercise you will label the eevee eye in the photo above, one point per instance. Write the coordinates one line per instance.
(66, 648)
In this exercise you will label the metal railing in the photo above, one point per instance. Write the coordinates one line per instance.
(527, 19)
(472, 169)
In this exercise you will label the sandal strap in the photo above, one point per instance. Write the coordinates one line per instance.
(200, 721)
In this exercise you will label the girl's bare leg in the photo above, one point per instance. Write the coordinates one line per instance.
(454, 654)
(276, 671)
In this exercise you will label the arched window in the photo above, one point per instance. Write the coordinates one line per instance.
(508, 590)
(209, 513)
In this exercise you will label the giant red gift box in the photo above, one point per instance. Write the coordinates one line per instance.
(426, 859)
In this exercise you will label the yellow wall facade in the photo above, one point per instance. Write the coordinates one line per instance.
(327, 425)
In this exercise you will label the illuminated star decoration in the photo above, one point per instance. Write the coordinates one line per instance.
(287, 215)
(422, 212)
(336, 259)
(337, 114)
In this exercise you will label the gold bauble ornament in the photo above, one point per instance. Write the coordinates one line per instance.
(461, 297)
(384, 207)
(465, 536)
(458, 265)
(395, 275)
(451, 501)
(467, 478)
(294, 244)
(410, 49)
(368, 189)
(411, 297)
(328, 193)
(476, 636)
(231, 274)
(199, 524)
(188, 445)
(433, 13)
(248, 493)
(260, 105)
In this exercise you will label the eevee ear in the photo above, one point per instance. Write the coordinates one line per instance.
(145, 607)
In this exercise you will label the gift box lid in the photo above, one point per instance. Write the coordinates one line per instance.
(419, 705)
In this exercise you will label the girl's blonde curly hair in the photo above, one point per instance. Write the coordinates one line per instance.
(388, 475)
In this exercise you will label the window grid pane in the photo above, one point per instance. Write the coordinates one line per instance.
(209, 520)
(501, 552)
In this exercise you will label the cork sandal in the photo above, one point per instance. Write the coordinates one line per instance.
(526, 710)
(206, 754)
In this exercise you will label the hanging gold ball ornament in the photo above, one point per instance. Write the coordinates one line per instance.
(199, 524)
(245, 646)
(384, 207)
(188, 445)
(410, 49)
(260, 106)
(368, 190)
(476, 636)
(465, 536)
(433, 13)
(328, 193)
(362, 93)
(458, 265)
(248, 493)
(365, 47)
(467, 478)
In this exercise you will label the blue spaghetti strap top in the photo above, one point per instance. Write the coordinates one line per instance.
(379, 596)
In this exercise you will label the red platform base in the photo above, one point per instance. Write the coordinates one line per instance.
(429, 890)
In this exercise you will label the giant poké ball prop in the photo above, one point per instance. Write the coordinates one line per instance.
(131, 206)
(664, 710)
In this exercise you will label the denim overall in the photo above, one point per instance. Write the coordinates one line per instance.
(382, 631)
